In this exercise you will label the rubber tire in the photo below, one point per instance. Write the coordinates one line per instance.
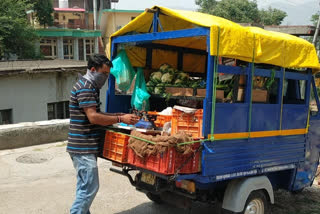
(155, 198)
(295, 192)
(261, 195)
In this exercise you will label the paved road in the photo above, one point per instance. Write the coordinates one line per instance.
(48, 187)
(27, 187)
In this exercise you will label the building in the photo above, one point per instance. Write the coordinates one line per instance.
(112, 20)
(38, 90)
(74, 33)
(296, 30)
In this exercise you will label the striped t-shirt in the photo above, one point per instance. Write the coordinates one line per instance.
(83, 136)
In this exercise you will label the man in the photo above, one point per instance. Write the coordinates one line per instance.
(85, 134)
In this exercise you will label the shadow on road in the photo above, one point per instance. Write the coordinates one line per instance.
(151, 207)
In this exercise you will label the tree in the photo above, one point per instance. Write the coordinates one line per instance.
(16, 34)
(272, 16)
(43, 10)
(242, 11)
(314, 19)
(206, 6)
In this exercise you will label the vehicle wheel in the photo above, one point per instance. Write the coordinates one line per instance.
(155, 198)
(297, 191)
(256, 203)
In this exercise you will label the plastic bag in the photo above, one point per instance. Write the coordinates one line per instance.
(122, 70)
(140, 95)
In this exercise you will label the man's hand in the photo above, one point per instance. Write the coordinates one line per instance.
(129, 119)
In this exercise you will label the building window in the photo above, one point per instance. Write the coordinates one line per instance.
(89, 47)
(48, 48)
(6, 116)
(68, 49)
(58, 110)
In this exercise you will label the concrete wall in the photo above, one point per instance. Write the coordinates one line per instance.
(29, 134)
(28, 94)
(70, 15)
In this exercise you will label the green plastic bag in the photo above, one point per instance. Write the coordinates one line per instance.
(140, 95)
(123, 71)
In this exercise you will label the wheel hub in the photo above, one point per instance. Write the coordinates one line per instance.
(255, 206)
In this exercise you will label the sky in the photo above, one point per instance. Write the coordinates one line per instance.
(299, 11)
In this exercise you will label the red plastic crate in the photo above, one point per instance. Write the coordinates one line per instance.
(115, 147)
(168, 162)
(188, 123)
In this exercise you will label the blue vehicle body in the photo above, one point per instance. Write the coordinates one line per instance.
(288, 158)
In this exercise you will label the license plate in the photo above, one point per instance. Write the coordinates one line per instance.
(148, 178)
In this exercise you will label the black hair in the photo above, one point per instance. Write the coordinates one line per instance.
(97, 61)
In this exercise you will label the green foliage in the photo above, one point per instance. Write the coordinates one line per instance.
(314, 19)
(43, 10)
(206, 6)
(243, 11)
(238, 10)
(272, 16)
(16, 35)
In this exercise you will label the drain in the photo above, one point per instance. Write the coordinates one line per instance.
(33, 158)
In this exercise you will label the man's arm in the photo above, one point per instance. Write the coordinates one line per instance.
(106, 120)
(112, 114)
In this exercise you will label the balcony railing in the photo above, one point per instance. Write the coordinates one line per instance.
(70, 3)
(77, 25)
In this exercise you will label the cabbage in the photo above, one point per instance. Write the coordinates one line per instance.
(183, 76)
(167, 78)
(156, 76)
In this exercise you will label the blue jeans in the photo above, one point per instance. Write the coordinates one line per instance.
(87, 182)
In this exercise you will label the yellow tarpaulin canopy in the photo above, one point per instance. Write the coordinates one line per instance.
(244, 43)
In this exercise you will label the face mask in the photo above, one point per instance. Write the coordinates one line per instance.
(98, 79)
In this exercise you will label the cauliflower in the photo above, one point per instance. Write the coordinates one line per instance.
(150, 89)
(171, 70)
(164, 67)
(156, 76)
(167, 78)
(183, 76)
(150, 83)
(178, 81)
(158, 90)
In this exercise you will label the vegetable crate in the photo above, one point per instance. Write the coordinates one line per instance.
(115, 147)
(169, 162)
(188, 123)
(161, 119)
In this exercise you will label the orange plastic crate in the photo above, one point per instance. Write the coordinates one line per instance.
(161, 119)
(115, 147)
(188, 123)
(168, 162)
